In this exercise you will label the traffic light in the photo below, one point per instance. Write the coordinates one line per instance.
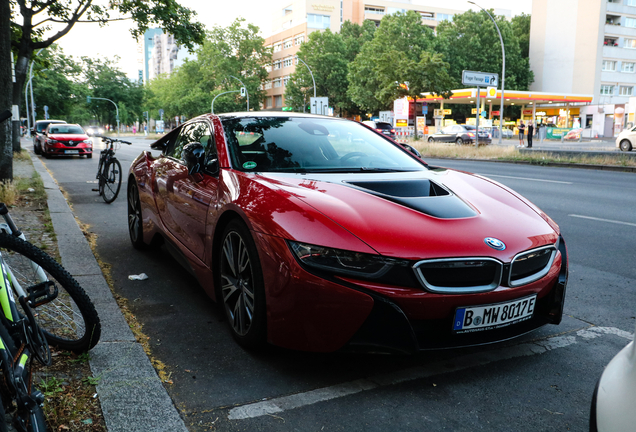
(243, 91)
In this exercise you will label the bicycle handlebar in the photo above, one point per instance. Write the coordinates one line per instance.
(112, 140)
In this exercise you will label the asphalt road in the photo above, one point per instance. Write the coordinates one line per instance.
(540, 382)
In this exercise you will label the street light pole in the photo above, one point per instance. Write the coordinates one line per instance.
(310, 73)
(116, 108)
(246, 93)
(30, 112)
(220, 94)
(503, 71)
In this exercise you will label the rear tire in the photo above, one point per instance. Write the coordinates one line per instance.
(110, 181)
(135, 220)
(89, 156)
(459, 141)
(69, 322)
(431, 139)
(626, 145)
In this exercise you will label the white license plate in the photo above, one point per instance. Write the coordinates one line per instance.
(71, 151)
(488, 317)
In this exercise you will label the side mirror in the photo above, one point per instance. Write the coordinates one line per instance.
(411, 150)
(194, 157)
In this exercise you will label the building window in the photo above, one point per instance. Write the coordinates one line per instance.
(444, 17)
(278, 101)
(277, 83)
(277, 64)
(277, 47)
(374, 10)
(609, 65)
(630, 2)
(288, 43)
(628, 67)
(288, 62)
(427, 15)
(630, 22)
(285, 80)
(268, 85)
(607, 90)
(626, 91)
(630, 43)
(318, 21)
(299, 39)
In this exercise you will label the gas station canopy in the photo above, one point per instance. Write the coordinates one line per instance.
(511, 97)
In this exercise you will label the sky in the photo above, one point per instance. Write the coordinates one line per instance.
(114, 39)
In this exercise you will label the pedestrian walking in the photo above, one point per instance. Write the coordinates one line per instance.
(530, 134)
(522, 131)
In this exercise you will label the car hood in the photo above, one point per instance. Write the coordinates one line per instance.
(66, 137)
(419, 215)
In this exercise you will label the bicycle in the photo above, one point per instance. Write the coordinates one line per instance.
(109, 171)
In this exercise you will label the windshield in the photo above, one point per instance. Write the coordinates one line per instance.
(66, 129)
(301, 144)
(41, 126)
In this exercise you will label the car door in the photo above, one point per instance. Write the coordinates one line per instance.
(447, 134)
(183, 199)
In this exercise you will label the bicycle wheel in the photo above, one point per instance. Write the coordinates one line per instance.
(110, 181)
(70, 321)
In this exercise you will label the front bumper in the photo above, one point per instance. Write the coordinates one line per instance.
(68, 151)
(323, 313)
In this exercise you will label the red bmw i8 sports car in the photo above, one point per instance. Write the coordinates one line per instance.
(316, 233)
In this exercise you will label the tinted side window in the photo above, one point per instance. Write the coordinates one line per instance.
(195, 132)
(176, 150)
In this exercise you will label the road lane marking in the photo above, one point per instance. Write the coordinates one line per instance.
(603, 220)
(284, 403)
(527, 178)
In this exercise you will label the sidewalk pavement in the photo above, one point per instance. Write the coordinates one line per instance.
(130, 392)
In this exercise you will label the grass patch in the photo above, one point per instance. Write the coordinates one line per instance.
(512, 154)
(8, 192)
(23, 155)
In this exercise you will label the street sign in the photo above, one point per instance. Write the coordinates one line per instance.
(161, 113)
(480, 79)
(319, 105)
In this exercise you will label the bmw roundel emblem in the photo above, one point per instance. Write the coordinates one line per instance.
(495, 243)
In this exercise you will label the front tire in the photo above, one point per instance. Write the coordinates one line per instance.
(241, 286)
(626, 145)
(110, 181)
(70, 321)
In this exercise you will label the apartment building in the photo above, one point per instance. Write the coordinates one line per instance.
(158, 54)
(587, 47)
(292, 24)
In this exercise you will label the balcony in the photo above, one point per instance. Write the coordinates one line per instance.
(619, 53)
(617, 30)
(620, 8)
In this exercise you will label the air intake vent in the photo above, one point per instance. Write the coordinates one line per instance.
(459, 275)
(531, 265)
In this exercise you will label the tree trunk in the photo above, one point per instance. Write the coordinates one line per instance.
(415, 117)
(6, 146)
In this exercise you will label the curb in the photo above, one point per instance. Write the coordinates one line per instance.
(546, 164)
(131, 394)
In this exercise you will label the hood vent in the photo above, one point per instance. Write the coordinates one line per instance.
(422, 195)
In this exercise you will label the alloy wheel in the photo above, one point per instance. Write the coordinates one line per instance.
(237, 283)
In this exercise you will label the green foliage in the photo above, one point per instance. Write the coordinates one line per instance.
(400, 52)
(521, 29)
(328, 55)
(236, 50)
(471, 42)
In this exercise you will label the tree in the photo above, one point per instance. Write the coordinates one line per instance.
(328, 55)
(29, 35)
(6, 147)
(236, 50)
(521, 29)
(471, 42)
(398, 62)
(401, 37)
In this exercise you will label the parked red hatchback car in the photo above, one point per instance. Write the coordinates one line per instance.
(66, 140)
(316, 233)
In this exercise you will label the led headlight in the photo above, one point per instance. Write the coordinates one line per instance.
(51, 141)
(343, 262)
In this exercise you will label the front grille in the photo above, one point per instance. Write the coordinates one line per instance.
(459, 275)
(531, 265)
(70, 143)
